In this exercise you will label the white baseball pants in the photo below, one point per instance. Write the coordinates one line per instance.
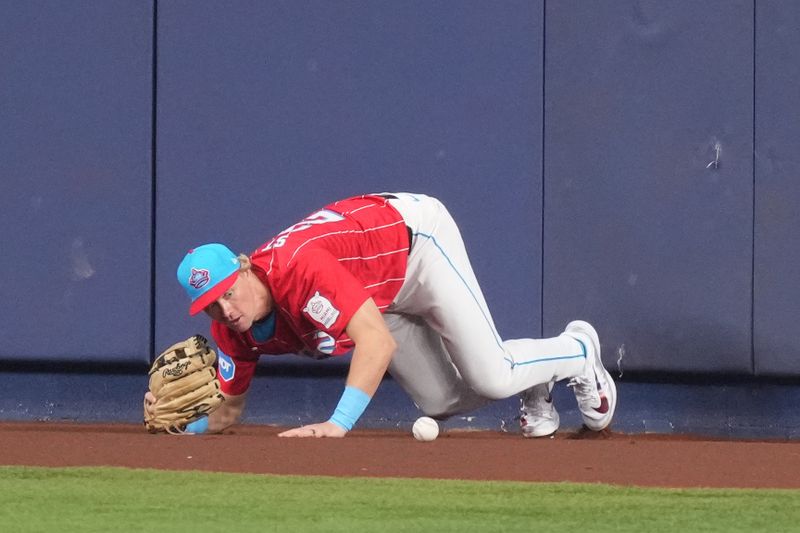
(450, 358)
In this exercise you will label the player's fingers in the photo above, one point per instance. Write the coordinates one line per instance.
(301, 432)
(149, 401)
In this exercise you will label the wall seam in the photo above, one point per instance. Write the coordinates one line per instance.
(753, 229)
(153, 174)
(544, 89)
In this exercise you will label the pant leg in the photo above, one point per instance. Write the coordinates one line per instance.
(422, 367)
(441, 288)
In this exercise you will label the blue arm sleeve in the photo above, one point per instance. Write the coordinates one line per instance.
(351, 407)
(198, 426)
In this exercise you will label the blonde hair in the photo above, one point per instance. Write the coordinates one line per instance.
(244, 263)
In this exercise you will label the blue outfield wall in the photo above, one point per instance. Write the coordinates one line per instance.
(628, 163)
(75, 168)
(268, 111)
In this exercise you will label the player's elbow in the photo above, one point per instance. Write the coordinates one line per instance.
(381, 345)
(389, 344)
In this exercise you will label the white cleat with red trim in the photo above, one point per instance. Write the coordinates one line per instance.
(538, 415)
(594, 390)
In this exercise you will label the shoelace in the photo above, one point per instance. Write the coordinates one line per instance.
(586, 393)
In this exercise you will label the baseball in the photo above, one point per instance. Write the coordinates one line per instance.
(425, 429)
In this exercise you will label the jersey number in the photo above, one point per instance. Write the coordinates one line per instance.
(320, 217)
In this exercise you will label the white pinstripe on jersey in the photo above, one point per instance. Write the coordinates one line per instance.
(342, 232)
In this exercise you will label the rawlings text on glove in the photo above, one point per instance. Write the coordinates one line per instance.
(184, 383)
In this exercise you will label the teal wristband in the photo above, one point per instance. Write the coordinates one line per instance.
(351, 407)
(198, 426)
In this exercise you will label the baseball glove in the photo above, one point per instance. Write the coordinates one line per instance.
(184, 383)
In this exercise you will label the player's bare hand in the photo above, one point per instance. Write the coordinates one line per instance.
(324, 429)
(149, 401)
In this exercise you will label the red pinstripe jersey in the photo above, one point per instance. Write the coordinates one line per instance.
(320, 271)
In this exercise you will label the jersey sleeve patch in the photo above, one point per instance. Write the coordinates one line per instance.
(226, 367)
(321, 310)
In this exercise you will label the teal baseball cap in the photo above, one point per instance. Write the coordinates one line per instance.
(206, 272)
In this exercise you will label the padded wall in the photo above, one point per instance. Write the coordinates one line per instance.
(75, 105)
(641, 238)
(777, 165)
(269, 110)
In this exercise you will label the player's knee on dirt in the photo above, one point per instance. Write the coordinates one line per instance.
(438, 408)
(442, 408)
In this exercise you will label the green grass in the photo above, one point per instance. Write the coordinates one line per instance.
(114, 499)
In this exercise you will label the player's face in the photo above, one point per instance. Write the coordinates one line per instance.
(236, 308)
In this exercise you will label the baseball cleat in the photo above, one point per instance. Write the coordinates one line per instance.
(594, 390)
(538, 415)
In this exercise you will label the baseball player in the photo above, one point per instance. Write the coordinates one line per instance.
(387, 277)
